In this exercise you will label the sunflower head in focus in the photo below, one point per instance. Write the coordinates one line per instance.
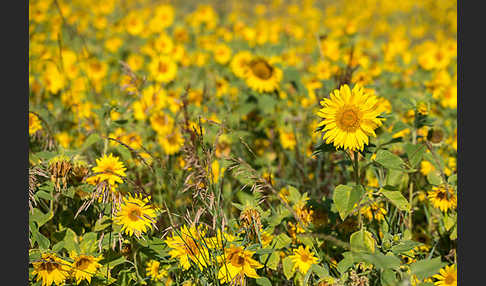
(447, 276)
(109, 169)
(443, 197)
(262, 76)
(51, 269)
(84, 266)
(350, 117)
(237, 263)
(303, 259)
(136, 215)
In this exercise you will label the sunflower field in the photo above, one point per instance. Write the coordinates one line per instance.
(231, 142)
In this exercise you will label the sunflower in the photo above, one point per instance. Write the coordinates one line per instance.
(51, 269)
(237, 263)
(239, 63)
(161, 123)
(303, 259)
(84, 266)
(262, 76)
(110, 169)
(171, 143)
(222, 53)
(349, 117)
(443, 197)
(221, 239)
(34, 124)
(155, 271)
(186, 246)
(374, 211)
(163, 69)
(136, 215)
(447, 276)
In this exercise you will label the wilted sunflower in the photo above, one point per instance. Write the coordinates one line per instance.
(350, 116)
(51, 269)
(84, 266)
(447, 276)
(237, 263)
(262, 76)
(303, 259)
(136, 215)
(443, 197)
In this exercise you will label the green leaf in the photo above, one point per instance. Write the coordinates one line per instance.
(40, 218)
(427, 267)
(397, 199)
(281, 241)
(389, 278)
(115, 262)
(320, 271)
(362, 241)
(70, 241)
(434, 178)
(92, 139)
(43, 195)
(124, 152)
(267, 103)
(263, 281)
(89, 243)
(449, 221)
(41, 240)
(379, 260)
(345, 197)
(453, 235)
(405, 246)
(273, 261)
(389, 160)
(287, 267)
(261, 251)
(415, 153)
(101, 224)
(294, 194)
(345, 263)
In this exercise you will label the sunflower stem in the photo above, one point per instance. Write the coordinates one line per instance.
(356, 179)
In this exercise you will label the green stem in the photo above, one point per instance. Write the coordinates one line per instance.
(356, 179)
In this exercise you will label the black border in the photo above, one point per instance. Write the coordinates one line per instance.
(15, 139)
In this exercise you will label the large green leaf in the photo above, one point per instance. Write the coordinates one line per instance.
(389, 160)
(415, 153)
(287, 267)
(263, 281)
(380, 260)
(362, 241)
(405, 246)
(427, 267)
(345, 198)
(281, 241)
(397, 199)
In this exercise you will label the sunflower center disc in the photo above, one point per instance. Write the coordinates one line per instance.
(349, 120)
(134, 214)
(261, 69)
(162, 67)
